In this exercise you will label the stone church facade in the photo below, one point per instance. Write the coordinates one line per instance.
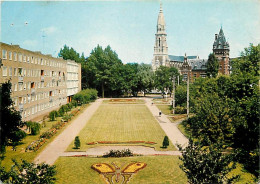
(191, 66)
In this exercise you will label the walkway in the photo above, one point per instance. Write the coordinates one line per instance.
(51, 153)
(169, 128)
(138, 150)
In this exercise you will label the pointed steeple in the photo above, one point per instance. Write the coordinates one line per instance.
(160, 21)
(220, 41)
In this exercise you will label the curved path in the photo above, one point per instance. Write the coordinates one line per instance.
(51, 153)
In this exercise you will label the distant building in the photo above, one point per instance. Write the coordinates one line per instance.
(196, 65)
(39, 82)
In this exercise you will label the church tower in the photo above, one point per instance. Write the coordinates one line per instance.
(160, 56)
(221, 51)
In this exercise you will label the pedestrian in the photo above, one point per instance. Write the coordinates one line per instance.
(160, 113)
(152, 103)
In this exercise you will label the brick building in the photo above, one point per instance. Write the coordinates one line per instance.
(39, 82)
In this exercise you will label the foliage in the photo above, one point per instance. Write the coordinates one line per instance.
(11, 120)
(118, 153)
(53, 115)
(164, 76)
(77, 142)
(33, 127)
(204, 165)
(27, 173)
(63, 109)
(85, 96)
(181, 95)
(212, 66)
(165, 142)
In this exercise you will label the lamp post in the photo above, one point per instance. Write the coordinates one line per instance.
(173, 95)
(188, 93)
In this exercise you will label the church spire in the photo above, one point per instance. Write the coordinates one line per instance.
(161, 21)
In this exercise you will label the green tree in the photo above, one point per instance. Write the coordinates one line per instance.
(204, 165)
(28, 173)
(53, 115)
(212, 66)
(11, 120)
(165, 142)
(103, 67)
(164, 76)
(77, 142)
(145, 76)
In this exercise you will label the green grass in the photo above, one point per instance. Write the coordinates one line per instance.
(30, 155)
(121, 122)
(165, 109)
(159, 170)
(162, 100)
(181, 127)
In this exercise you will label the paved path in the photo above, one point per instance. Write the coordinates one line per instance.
(139, 150)
(169, 128)
(51, 153)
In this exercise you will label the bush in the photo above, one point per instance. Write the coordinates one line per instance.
(35, 128)
(85, 96)
(77, 142)
(63, 109)
(67, 117)
(118, 153)
(165, 142)
(53, 115)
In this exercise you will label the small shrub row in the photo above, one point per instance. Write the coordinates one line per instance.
(118, 153)
(118, 142)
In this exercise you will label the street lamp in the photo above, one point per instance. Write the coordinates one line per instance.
(173, 95)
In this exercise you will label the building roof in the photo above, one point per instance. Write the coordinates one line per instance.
(198, 64)
(220, 42)
(180, 58)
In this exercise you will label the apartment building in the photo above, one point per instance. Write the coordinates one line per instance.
(73, 79)
(39, 82)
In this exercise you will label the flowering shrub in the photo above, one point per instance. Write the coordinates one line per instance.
(118, 153)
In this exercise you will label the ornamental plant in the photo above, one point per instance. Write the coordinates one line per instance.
(165, 142)
(77, 142)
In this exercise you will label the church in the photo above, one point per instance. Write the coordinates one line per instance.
(191, 66)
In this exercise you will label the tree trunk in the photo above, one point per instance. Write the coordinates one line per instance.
(103, 93)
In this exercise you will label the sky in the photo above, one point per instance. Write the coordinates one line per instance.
(129, 27)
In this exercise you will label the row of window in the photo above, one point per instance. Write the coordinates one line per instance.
(23, 58)
(41, 107)
(30, 72)
(35, 85)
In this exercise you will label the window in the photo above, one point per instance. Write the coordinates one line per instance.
(195, 75)
(20, 87)
(20, 71)
(24, 58)
(28, 85)
(4, 54)
(203, 75)
(15, 71)
(15, 101)
(24, 72)
(10, 71)
(20, 57)
(4, 71)
(32, 59)
(10, 55)
(24, 88)
(15, 56)
(28, 73)
(15, 87)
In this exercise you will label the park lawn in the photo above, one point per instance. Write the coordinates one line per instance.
(30, 155)
(159, 170)
(165, 109)
(124, 101)
(162, 100)
(123, 123)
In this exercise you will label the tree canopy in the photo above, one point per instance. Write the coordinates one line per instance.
(212, 66)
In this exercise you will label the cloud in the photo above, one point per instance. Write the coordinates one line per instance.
(49, 30)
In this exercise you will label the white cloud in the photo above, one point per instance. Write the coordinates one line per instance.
(49, 30)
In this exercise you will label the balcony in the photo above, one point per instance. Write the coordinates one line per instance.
(20, 79)
(33, 91)
(42, 78)
(20, 107)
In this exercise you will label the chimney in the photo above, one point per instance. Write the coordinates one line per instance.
(216, 36)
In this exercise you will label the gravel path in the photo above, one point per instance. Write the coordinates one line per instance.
(139, 150)
(170, 129)
(51, 153)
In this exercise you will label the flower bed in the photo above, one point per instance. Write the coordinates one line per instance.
(35, 145)
(122, 142)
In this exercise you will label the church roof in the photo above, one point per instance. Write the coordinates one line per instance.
(220, 42)
(180, 58)
(198, 64)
